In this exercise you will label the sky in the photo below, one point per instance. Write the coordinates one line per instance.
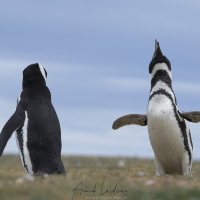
(96, 54)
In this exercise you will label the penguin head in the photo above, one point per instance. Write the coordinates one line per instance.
(34, 74)
(159, 61)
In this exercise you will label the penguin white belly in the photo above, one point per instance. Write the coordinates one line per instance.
(164, 133)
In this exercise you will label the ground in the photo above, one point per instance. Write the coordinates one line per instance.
(97, 178)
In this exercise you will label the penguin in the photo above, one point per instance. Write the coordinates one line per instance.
(169, 133)
(37, 127)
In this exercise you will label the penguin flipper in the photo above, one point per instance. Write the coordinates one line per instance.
(15, 121)
(193, 116)
(137, 119)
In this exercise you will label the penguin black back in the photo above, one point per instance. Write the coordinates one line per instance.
(44, 134)
(38, 130)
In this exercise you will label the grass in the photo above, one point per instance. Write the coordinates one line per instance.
(115, 179)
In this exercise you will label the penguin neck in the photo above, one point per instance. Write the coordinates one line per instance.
(160, 77)
(33, 83)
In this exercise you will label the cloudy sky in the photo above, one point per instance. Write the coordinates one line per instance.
(97, 54)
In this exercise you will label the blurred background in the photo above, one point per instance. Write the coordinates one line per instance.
(97, 54)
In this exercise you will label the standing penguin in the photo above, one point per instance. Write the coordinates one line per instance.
(169, 134)
(36, 124)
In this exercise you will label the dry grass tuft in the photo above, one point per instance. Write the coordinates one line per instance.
(115, 178)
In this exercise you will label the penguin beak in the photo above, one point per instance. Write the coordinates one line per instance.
(157, 49)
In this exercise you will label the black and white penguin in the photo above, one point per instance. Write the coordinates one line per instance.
(169, 133)
(37, 127)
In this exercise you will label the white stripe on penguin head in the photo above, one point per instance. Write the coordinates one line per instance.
(160, 66)
(42, 71)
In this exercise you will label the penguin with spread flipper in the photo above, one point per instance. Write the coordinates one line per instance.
(169, 133)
